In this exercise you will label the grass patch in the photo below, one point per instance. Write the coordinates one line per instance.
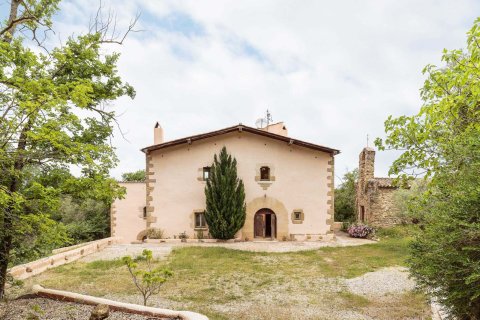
(409, 305)
(225, 284)
(104, 264)
(353, 300)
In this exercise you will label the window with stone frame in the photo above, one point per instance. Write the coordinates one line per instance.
(144, 212)
(265, 173)
(297, 215)
(206, 173)
(200, 222)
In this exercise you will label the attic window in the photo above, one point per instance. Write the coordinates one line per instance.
(265, 173)
(206, 173)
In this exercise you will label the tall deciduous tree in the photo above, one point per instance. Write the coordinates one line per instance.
(225, 196)
(345, 197)
(53, 111)
(138, 175)
(443, 142)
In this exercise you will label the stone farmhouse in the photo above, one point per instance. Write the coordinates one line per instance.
(374, 196)
(289, 186)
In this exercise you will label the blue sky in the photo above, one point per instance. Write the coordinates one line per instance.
(332, 70)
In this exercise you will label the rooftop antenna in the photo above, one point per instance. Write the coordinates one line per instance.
(264, 122)
(367, 140)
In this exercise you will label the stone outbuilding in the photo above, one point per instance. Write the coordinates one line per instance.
(375, 197)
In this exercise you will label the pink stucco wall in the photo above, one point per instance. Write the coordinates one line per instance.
(127, 214)
(300, 183)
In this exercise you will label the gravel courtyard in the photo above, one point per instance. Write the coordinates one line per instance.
(162, 250)
(342, 279)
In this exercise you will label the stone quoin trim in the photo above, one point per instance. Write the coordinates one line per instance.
(200, 174)
(113, 220)
(150, 218)
(330, 193)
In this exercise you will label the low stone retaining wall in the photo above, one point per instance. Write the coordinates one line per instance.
(311, 237)
(337, 225)
(60, 250)
(187, 240)
(293, 237)
(115, 305)
(66, 255)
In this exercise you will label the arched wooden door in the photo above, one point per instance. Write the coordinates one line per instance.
(259, 225)
(265, 224)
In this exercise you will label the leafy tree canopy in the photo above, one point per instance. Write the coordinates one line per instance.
(345, 197)
(54, 112)
(138, 175)
(443, 142)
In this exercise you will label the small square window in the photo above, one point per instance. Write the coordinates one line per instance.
(297, 215)
(200, 220)
(206, 173)
(265, 173)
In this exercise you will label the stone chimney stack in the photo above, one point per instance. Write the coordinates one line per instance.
(366, 166)
(157, 134)
(277, 128)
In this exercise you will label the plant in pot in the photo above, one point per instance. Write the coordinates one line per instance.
(183, 236)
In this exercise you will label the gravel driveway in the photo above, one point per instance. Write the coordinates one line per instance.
(391, 280)
(120, 250)
(161, 250)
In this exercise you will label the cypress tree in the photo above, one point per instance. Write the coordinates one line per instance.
(225, 198)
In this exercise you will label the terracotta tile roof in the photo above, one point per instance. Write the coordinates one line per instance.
(240, 128)
(385, 182)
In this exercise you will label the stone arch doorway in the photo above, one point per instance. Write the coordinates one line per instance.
(265, 224)
(142, 236)
(282, 216)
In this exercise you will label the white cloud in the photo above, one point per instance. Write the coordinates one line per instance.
(332, 70)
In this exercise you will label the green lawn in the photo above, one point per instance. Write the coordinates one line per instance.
(232, 284)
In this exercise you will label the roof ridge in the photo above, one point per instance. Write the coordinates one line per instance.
(240, 127)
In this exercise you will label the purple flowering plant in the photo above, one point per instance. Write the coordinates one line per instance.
(360, 231)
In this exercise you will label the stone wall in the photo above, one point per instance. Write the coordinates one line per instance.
(65, 256)
(383, 210)
(375, 197)
(366, 165)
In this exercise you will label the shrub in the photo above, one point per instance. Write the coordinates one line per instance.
(345, 226)
(148, 281)
(345, 209)
(200, 235)
(155, 233)
(225, 198)
(360, 231)
(183, 236)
